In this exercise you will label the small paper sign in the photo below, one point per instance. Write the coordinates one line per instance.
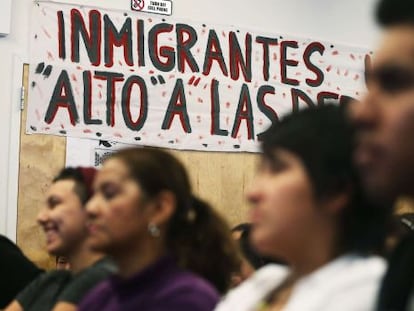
(163, 7)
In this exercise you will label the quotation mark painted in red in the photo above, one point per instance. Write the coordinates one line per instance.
(194, 81)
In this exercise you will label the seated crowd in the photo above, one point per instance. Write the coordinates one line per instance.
(136, 238)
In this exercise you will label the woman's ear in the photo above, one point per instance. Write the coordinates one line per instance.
(164, 208)
(335, 204)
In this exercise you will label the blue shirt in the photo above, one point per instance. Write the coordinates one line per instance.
(163, 286)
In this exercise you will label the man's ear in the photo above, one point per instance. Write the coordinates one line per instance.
(164, 208)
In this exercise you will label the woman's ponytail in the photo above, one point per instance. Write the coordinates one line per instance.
(202, 243)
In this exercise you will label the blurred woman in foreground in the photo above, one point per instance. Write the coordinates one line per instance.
(308, 209)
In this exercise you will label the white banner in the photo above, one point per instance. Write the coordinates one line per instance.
(141, 79)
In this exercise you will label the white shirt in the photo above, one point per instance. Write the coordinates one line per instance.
(410, 305)
(348, 283)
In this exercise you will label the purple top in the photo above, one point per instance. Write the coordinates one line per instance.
(163, 286)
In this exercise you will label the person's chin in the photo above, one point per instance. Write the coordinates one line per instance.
(97, 244)
(378, 188)
(55, 250)
(261, 245)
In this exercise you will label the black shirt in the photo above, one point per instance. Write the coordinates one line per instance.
(16, 271)
(63, 286)
(398, 283)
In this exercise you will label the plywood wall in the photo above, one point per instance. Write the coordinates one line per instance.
(41, 157)
(220, 178)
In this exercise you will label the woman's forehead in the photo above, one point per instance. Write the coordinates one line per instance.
(113, 168)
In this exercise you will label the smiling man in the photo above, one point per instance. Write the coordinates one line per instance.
(64, 221)
(385, 121)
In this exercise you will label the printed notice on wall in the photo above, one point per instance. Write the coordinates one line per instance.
(162, 7)
(90, 152)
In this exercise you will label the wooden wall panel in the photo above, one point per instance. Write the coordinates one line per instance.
(41, 157)
(221, 179)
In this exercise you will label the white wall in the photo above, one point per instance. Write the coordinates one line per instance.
(349, 22)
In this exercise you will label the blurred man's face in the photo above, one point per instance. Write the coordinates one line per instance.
(63, 219)
(385, 118)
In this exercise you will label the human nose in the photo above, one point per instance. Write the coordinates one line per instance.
(364, 114)
(252, 192)
(92, 207)
(42, 216)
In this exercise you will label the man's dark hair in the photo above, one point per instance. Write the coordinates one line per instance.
(322, 138)
(83, 178)
(392, 12)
